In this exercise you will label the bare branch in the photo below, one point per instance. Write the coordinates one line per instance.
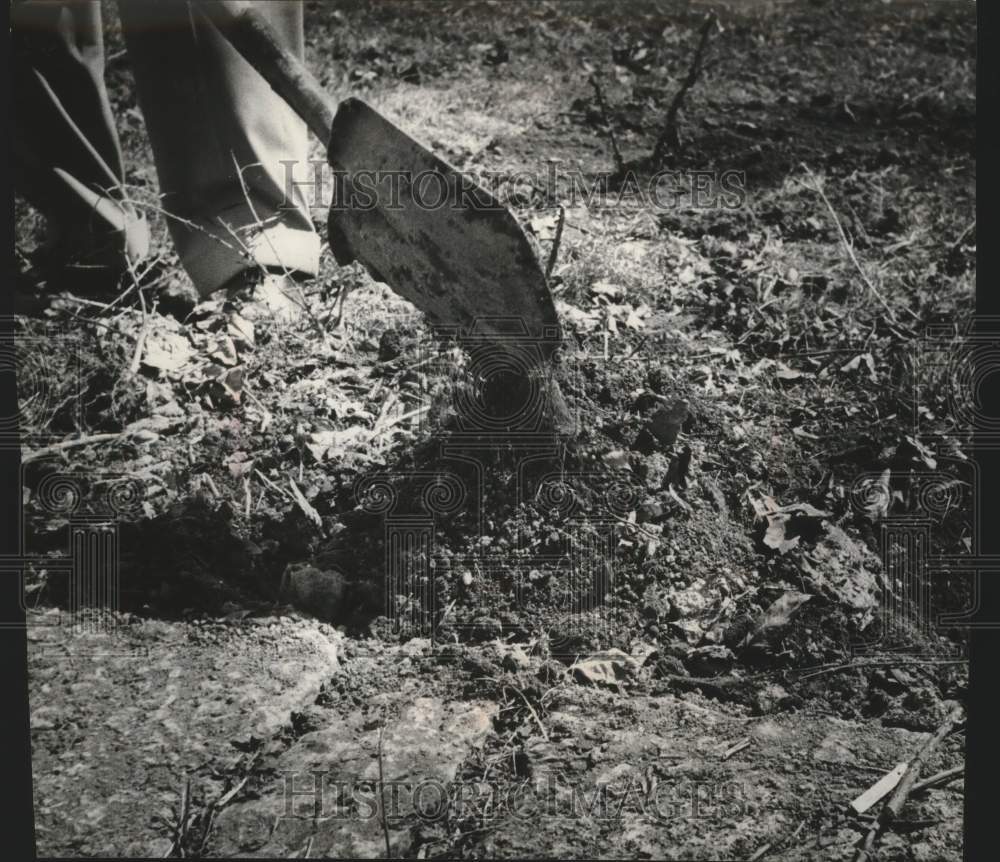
(906, 785)
(603, 105)
(554, 252)
(670, 138)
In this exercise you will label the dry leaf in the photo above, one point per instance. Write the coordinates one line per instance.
(607, 668)
(617, 459)
(780, 611)
(785, 373)
(167, 351)
(607, 288)
(305, 506)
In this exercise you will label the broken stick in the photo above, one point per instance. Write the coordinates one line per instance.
(670, 138)
(906, 784)
(879, 789)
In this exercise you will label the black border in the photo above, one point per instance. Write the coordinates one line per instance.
(982, 741)
(18, 837)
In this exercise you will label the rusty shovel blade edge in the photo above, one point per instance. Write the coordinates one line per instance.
(433, 234)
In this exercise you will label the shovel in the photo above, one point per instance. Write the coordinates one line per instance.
(430, 232)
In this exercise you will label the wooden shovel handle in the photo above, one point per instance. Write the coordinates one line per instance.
(250, 34)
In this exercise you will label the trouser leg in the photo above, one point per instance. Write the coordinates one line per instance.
(67, 159)
(209, 113)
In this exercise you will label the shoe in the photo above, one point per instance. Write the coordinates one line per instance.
(83, 261)
(260, 295)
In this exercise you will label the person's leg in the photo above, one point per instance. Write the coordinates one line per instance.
(208, 113)
(66, 154)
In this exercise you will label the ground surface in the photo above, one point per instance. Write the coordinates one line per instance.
(768, 436)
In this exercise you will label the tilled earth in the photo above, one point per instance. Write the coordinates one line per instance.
(688, 631)
(276, 736)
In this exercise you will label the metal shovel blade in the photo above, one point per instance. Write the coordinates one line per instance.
(431, 233)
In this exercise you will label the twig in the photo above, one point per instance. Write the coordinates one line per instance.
(557, 240)
(267, 238)
(737, 748)
(248, 499)
(140, 342)
(670, 137)
(89, 320)
(939, 778)
(221, 802)
(45, 451)
(342, 291)
(767, 848)
(387, 405)
(961, 238)
(305, 506)
(228, 797)
(381, 792)
(603, 105)
(818, 189)
(208, 480)
(242, 251)
(531, 709)
(527, 703)
(906, 784)
(266, 417)
(273, 486)
(882, 663)
(639, 527)
(396, 420)
(180, 829)
(676, 497)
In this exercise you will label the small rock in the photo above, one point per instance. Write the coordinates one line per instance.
(608, 667)
(516, 659)
(680, 464)
(313, 590)
(487, 628)
(642, 652)
(769, 699)
(715, 635)
(887, 683)
(416, 647)
(389, 345)
(709, 660)
(691, 601)
(479, 666)
(714, 493)
(690, 630)
(738, 630)
(666, 423)
(651, 510)
(656, 603)
(924, 852)
(551, 671)
(655, 468)
(669, 666)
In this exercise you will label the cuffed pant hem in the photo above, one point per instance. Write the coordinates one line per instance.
(212, 260)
